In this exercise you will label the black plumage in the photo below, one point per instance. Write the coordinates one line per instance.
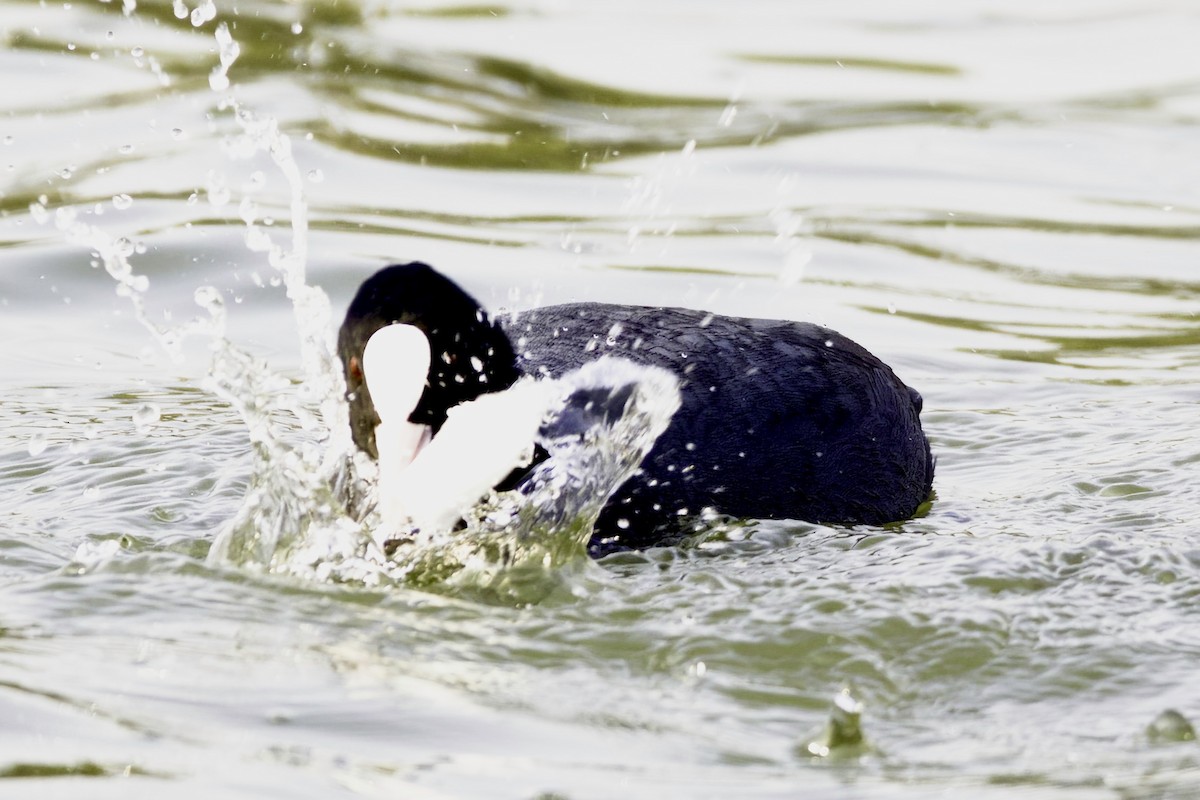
(778, 420)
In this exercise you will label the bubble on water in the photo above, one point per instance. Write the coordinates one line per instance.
(843, 733)
(66, 172)
(8, 140)
(180, 9)
(122, 201)
(125, 149)
(91, 493)
(316, 175)
(891, 308)
(39, 213)
(137, 52)
(1171, 726)
(38, 444)
(177, 133)
(145, 416)
(297, 28)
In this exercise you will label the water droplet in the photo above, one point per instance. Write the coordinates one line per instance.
(137, 52)
(258, 241)
(122, 201)
(66, 172)
(218, 196)
(623, 523)
(209, 298)
(176, 133)
(203, 13)
(316, 175)
(64, 218)
(891, 308)
(248, 210)
(297, 28)
(180, 9)
(125, 149)
(38, 444)
(8, 140)
(146, 415)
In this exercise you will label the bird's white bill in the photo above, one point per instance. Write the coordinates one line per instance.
(481, 442)
(396, 366)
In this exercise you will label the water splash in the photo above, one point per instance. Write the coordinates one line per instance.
(309, 510)
(518, 546)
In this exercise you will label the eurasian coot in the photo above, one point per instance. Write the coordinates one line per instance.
(778, 420)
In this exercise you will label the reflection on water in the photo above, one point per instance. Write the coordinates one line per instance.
(999, 199)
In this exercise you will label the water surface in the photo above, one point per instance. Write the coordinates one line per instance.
(1000, 199)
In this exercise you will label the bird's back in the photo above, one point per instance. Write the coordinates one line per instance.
(783, 420)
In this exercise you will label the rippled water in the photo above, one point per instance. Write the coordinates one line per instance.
(1000, 199)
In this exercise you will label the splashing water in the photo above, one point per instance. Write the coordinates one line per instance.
(512, 542)
(310, 509)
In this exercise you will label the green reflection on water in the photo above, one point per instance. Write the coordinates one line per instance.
(851, 62)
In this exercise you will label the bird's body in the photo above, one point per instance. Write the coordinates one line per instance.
(778, 419)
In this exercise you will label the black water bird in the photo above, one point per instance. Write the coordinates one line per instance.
(778, 419)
